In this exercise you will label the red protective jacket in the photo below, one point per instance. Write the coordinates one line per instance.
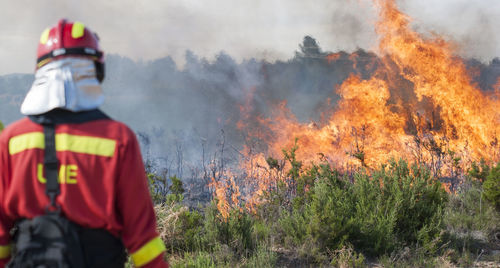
(102, 182)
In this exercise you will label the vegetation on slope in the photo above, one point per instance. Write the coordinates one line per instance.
(398, 215)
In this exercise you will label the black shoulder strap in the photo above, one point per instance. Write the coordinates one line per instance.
(51, 165)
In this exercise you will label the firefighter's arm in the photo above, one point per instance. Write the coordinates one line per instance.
(136, 208)
(5, 222)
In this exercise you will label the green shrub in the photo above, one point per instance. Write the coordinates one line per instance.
(470, 222)
(468, 211)
(161, 192)
(261, 232)
(330, 215)
(306, 181)
(157, 187)
(418, 200)
(176, 186)
(179, 227)
(376, 214)
(491, 186)
(235, 231)
(479, 170)
(291, 228)
(263, 257)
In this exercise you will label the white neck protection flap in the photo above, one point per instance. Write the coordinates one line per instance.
(68, 83)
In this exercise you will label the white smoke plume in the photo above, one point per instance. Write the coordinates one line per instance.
(270, 29)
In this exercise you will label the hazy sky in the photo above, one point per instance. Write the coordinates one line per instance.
(271, 29)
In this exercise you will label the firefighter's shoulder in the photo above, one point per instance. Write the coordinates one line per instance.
(110, 128)
(19, 127)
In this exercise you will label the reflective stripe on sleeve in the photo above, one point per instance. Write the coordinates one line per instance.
(4, 251)
(64, 142)
(148, 252)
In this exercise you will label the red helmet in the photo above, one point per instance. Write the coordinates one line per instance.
(70, 39)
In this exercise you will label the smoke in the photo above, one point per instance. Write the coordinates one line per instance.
(151, 29)
(472, 25)
(185, 104)
(181, 114)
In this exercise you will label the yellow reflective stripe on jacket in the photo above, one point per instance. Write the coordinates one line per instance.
(64, 142)
(85, 144)
(4, 251)
(33, 140)
(148, 252)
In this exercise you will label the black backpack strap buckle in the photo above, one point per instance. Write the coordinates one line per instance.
(53, 207)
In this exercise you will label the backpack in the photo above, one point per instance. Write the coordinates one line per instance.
(53, 241)
(47, 241)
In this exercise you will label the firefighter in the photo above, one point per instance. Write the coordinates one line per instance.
(100, 173)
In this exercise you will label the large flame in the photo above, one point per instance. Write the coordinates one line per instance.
(419, 105)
